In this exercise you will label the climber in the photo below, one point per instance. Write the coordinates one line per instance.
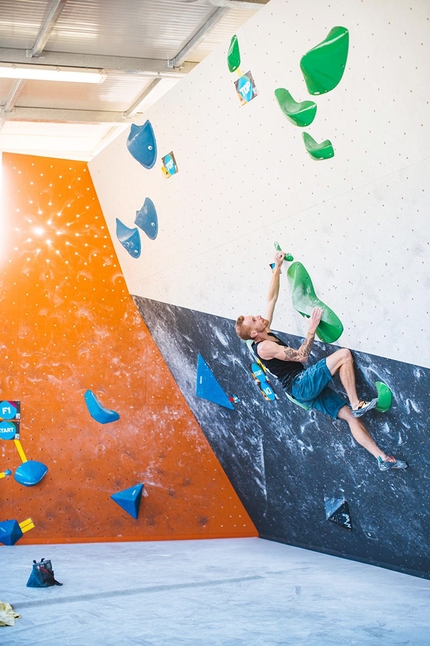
(310, 386)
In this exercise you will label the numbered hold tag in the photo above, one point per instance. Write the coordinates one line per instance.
(245, 88)
(170, 167)
(9, 430)
(10, 410)
(262, 382)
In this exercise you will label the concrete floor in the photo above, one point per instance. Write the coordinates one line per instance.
(238, 592)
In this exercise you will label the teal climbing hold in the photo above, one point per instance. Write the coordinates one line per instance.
(129, 238)
(129, 499)
(30, 473)
(233, 55)
(300, 113)
(207, 386)
(323, 150)
(147, 219)
(305, 299)
(10, 532)
(97, 411)
(141, 144)
(323, 66)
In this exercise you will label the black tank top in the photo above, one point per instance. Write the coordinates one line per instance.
(285, 371)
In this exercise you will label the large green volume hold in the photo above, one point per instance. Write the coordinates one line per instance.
(305, 299)
(323, 66)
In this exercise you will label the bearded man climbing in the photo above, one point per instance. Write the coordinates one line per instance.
(311, 386)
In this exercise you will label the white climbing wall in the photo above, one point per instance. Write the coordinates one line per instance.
(359, 222)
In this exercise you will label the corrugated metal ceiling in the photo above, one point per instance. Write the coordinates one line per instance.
(134, 41)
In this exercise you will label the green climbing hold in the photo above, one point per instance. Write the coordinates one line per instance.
(324, 150)
(301, 114)
(305, 299)
(385, 397)
(288, 256)
(323, 66)
(233, 56)
(294, 401)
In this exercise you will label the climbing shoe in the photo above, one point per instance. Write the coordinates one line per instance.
(391, 463)
(363, 407)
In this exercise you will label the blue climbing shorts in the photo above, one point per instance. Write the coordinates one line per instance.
(311, 387)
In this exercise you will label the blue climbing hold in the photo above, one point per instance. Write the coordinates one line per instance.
(10, 532)
(141, 144)
(97, 411)
(129, 238)
(129, 499)
(147, 219)
(207, 386)
(30, 473)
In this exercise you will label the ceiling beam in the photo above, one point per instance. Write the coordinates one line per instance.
(122, 64)
(46, 29)
(133, 109)
(237, 4)
(177, 60)
(58, 115)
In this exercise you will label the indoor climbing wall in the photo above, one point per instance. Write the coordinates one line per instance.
(96, 439)
(308, 127)
(287, 463)
(245, 179)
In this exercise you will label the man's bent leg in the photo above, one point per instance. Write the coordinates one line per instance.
(342, 361)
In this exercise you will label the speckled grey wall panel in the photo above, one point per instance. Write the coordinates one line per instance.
(284, 461)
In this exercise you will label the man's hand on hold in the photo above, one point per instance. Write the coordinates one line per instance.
(279, 258)
(315, 319)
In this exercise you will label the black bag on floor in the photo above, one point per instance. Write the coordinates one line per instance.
(42, 575)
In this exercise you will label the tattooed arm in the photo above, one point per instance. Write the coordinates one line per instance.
(272, 350)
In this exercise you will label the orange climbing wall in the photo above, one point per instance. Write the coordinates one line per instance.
(67, 325)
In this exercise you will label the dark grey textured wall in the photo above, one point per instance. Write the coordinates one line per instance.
(284, 461)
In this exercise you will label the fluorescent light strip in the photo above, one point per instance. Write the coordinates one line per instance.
(51, 73)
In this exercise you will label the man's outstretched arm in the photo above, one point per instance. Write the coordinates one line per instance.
(273, 294)
(271, 350)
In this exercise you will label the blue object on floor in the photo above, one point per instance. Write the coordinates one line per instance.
(147, 219)
(30, 473)
(129, 238)
(141, 144)
(207, 386)
(129, 499)
(10, 532)
(98, 411)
